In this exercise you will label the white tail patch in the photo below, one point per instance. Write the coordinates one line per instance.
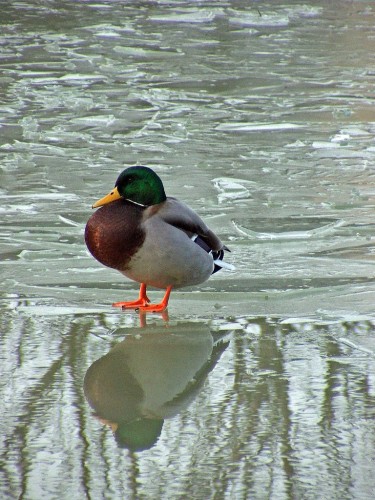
(224, 265)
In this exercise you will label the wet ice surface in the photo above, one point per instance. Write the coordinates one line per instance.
(261, 118)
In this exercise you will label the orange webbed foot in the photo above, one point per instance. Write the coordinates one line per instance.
(142, 300)
(162, 306)
(133, 304)
(153, 308)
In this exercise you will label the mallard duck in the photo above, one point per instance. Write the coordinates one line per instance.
(151, 238)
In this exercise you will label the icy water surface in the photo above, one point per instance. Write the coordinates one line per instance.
(260, 115)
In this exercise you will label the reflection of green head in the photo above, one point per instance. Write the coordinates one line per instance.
(139, 434)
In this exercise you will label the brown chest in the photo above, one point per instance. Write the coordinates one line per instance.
(114, 233)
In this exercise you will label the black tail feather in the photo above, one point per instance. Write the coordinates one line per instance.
(218, 255)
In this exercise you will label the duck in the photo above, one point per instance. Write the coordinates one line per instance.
(153, 239)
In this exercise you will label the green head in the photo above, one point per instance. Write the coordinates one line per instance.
(141, 185)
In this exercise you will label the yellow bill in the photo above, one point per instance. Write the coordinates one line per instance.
(112, 196)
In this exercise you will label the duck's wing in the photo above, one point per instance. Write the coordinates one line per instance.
(178, 214)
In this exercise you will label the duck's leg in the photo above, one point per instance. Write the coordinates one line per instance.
(142, 300)
(158, 307)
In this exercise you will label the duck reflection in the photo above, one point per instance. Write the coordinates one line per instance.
(152, 375)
